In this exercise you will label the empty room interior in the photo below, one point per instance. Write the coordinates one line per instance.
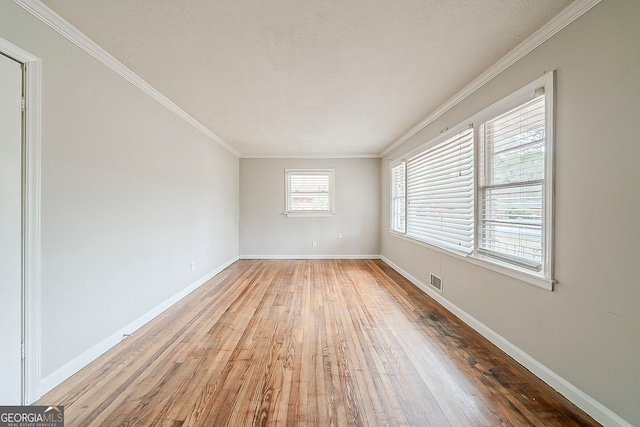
(321, 213)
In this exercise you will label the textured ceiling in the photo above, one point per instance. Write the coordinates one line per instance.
(308, 77)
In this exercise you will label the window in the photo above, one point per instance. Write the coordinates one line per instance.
(309, 192)
(511, 185)
(398, 197)
(440, 194)
(485, 191)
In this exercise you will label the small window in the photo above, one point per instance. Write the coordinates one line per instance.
(398, 198)
(309, 192)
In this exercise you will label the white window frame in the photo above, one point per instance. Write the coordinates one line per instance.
(290, 209)
(543, 278)
(392, 196)
(499, 234)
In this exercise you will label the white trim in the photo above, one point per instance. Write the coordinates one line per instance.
(564, 18)
(79, 362)
(524, 94)
(310, 156)
(395, 162)
(495, 265)
(392, 165)
(53, 20)
(308, 214)
(595, 409)
(32, 231)
(31, 218)
(549, 176)
(309, 256)
(329, 173)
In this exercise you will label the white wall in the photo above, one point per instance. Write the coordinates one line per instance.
(131, 194)
(266, 232)
(588, 329)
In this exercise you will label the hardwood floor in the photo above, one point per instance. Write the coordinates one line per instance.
(312, 342)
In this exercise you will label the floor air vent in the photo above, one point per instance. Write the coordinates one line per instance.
(436, 282)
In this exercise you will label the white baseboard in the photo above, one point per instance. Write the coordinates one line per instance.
(595, 409)
(309, 256)
(74, 365)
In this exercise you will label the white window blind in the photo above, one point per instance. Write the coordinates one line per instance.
(440, 191)
(398, 198)
(511, 191)
(487, 192)
(309, 191)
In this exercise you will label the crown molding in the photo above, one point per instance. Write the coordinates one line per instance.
(557, 23)
(50, 18)
(57, 23)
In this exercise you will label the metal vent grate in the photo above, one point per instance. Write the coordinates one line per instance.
(436, 282)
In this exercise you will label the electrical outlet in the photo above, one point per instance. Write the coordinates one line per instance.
(193, 266)
(339, 235)
(314, 243)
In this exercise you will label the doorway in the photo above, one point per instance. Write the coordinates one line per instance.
(11, 265)
(20, 123)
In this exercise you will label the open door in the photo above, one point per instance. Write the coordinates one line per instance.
(11, 261)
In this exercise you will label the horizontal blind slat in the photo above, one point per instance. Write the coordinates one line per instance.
(439, 184)
(398, 196)
(309, 191)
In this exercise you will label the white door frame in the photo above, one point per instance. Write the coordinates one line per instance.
(31, 219)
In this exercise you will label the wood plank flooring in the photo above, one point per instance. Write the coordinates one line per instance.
(309, 342)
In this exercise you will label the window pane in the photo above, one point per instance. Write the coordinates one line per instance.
(512, 221)
(309, 191)
(520, 164)
(512, 181)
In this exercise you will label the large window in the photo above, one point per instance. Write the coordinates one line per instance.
(511, 185)
(484, 191)
(309, 192)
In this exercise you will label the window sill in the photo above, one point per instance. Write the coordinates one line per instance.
(308, 214)
(487, 263)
